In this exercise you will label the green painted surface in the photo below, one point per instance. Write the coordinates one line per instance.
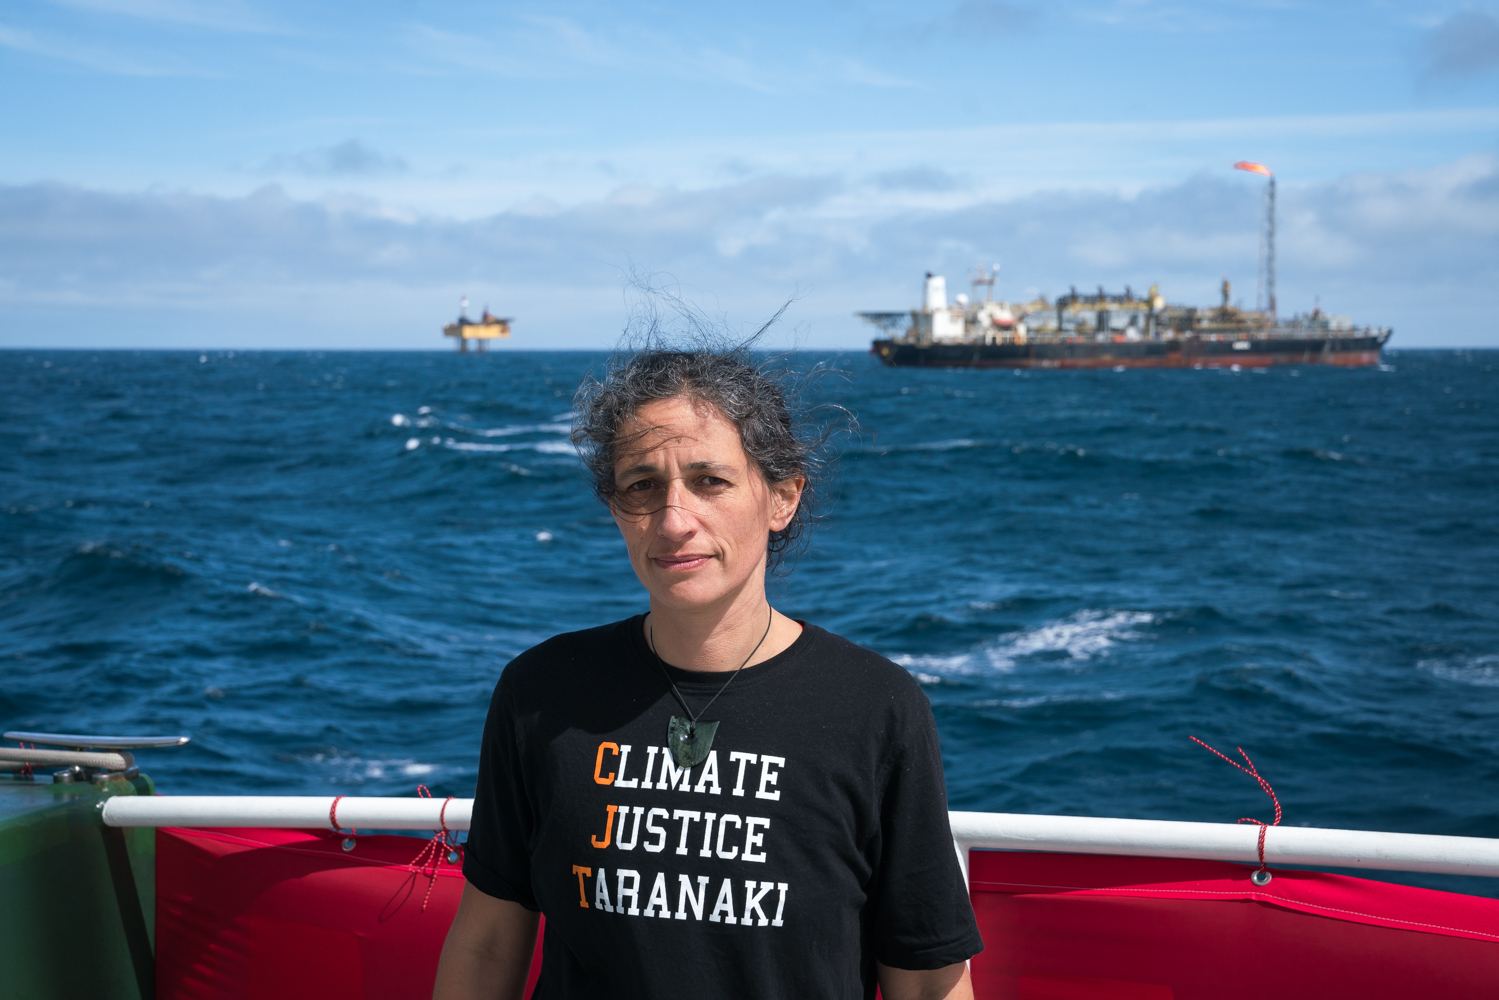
(77, 899)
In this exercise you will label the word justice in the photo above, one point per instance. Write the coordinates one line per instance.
(616, 758)
(753, 842)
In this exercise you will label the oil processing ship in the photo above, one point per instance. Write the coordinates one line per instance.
(1119, 330)
(1123, 330)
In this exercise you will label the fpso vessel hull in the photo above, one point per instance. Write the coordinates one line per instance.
(1350, 352)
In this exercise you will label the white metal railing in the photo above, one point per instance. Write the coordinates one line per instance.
(1287, 845)
(293, 811)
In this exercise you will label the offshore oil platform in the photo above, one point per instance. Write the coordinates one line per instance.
(1123, 330)
(481, 331)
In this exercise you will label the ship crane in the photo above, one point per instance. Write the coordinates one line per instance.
(984, 276)
(893, 323)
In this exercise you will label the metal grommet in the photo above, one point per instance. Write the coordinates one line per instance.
(348, 843)
(452, 857)
(1260, 877)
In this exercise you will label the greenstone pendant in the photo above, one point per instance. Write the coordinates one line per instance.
(689, 744)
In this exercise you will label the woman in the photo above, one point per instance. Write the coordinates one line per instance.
(710, 800)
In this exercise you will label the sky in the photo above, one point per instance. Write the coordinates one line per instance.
(264, 174)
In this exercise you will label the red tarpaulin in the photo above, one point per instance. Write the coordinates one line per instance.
(284, 914)
(1091, 927)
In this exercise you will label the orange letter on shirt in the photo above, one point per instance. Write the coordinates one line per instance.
(598, 763)
(580, 871)
(608, 828)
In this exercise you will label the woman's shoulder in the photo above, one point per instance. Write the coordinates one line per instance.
(844, 661)
(560, 659)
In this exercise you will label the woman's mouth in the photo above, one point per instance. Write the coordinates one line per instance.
(680, 563)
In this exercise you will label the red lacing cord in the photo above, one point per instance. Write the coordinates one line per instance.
(26, 765)
(433, 854)
(1264, 785)
(333, 816)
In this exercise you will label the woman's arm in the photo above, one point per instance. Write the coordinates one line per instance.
(950, 983)
(487, 955)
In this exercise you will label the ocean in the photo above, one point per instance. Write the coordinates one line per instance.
(317, 565)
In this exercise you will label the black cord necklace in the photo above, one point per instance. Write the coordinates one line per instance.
(688, 740)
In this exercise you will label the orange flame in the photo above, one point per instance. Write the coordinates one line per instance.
(1253, 168)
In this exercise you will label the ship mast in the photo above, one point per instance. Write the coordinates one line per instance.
(1270, 250)
(1267, 234)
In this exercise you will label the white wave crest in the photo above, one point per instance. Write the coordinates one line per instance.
(928, 668)
(947, 445)
(544, 447)
(1082, 636)
(493, 432)
(1478, 671)
(355, 770)
(1065, 698)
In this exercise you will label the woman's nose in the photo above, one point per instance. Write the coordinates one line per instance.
(676, 515)
(678, 495)
(674, 523)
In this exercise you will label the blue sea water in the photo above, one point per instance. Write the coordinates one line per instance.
(317, 564)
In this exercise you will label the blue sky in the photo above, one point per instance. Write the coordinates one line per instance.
(186, 173)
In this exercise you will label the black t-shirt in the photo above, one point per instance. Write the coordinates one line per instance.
(810, 843)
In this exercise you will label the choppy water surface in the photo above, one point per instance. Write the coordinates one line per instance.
(318, 564)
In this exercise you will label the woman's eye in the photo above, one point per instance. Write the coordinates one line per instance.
(642, 486)
(713, 482)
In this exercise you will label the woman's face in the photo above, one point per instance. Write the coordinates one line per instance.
(693, 508)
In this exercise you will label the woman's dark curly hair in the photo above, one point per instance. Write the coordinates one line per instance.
(754, 395)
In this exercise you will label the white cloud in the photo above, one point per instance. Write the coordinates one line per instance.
(1464, 45)
(853, 70)
(558, 48)
(344, 158)
(79, 53)
(220, 15)
(981, 163)
(1386, 248)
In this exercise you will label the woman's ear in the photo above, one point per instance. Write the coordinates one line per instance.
(786, 497)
